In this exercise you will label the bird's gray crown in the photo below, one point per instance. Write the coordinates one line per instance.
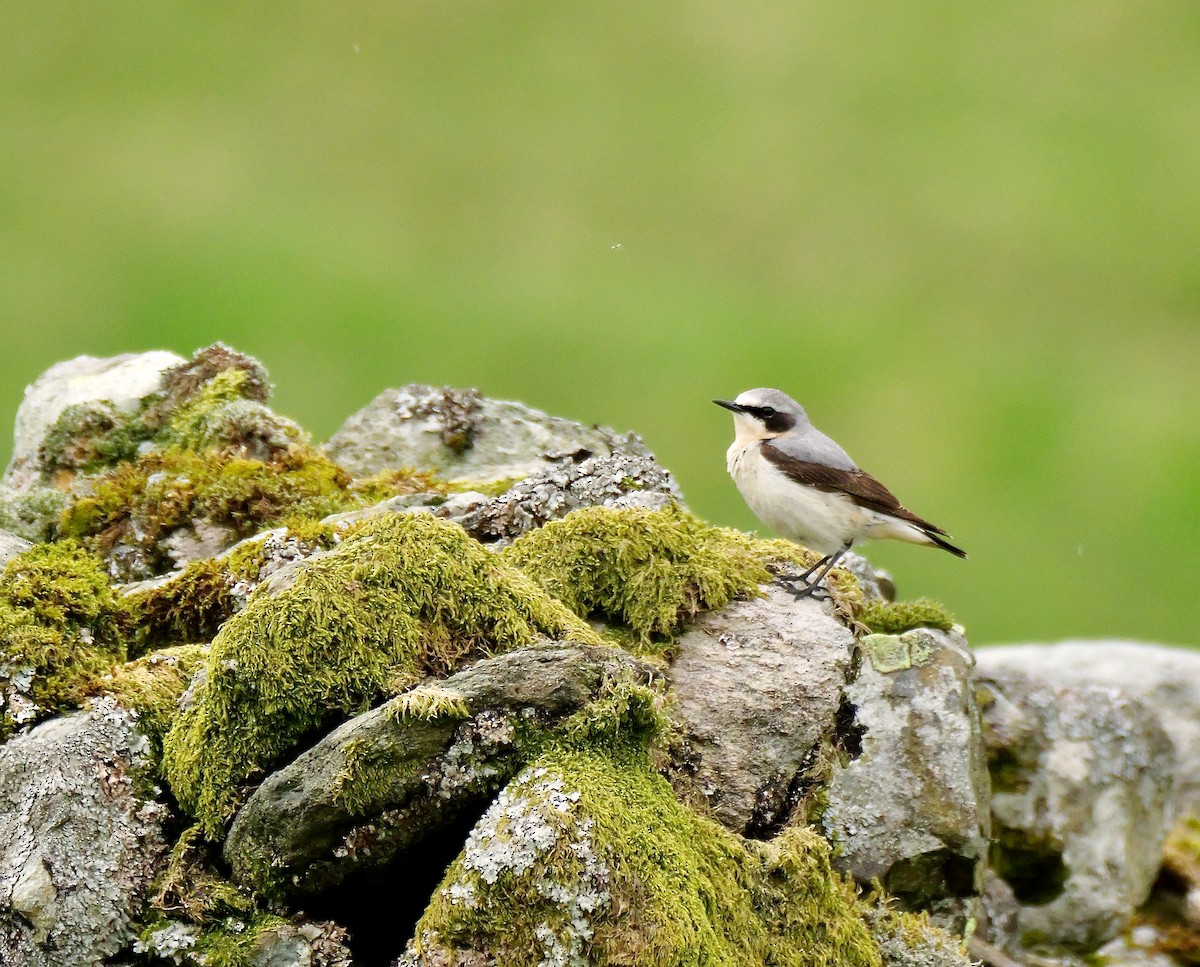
(777, 400)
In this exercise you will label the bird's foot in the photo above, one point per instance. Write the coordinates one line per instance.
(818, 592)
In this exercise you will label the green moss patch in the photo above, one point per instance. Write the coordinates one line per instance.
(587, 858)
(139, 503)
(404, 596)
(897, 617)
(192, 606)
(60, 624)
(648, 571)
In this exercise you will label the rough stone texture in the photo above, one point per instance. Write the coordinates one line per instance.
(119, 380)
(463, 436)
(78, 842)
(316, 944)
(619, 480)
(911, 809)
(1166, 679)
(1082, 787)
(758, 686)
(300, 821)
(10, 546)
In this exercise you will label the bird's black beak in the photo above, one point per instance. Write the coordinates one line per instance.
(736, 407)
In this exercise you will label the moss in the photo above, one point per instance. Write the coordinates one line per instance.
(647, 570)
(588, 858)
(912, 939)
(397, 483)
(137, 504)
(191, 888)
(429, 702)
(235, 942)
(151, 688)
(192, 606)
(404, 594)
(897, 617)
(1181, 852)
(60, 624)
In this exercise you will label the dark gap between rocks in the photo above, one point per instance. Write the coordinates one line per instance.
(380, 907)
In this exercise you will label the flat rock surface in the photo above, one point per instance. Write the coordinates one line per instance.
(758, 686)
(79, 845)
(461, 435)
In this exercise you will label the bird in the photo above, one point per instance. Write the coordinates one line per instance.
(802, 485)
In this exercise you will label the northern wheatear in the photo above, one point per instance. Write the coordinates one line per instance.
(800, 483)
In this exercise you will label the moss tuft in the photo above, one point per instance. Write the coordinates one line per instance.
(647, 570)
(897, 617)
(137, 504)
(151, 688)
(587, 858)
(404, 594)
(192, 606)
(191, 888)
(60, 624)
(430, 701)
(235, 942)
(32, 514)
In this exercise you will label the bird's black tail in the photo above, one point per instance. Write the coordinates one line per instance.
(945, 545)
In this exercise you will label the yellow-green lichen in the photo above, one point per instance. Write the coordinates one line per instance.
(403, 594)
(60, 624)
(897, 617)
(588, 858)
(647, 570)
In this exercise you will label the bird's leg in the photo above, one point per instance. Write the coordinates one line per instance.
(801, 578)
(829, 562)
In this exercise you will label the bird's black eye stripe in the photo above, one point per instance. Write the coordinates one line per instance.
(762, 412)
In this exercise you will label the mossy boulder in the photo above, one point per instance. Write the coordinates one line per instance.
(588, 858)
(404, 596)
(409, 769)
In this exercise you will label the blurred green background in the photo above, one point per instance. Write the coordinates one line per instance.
(965, 236)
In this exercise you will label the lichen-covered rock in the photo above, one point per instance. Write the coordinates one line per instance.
(11, 545)
(464, 436)
(79, 839)
(618, 480)
(912, 940)
(911, 807)
(408, 769)
(1082, 791)
(1165, 679)
(110, 388)
(588, 859)
(758, 686)
(267, 941)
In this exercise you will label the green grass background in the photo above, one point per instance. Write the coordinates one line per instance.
(966, 236)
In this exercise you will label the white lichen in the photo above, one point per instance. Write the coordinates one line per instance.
(534, 817)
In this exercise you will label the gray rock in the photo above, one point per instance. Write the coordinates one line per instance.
(119, 382)
(462, 436)
(1165, 679)
(911, 808)
(308, 944)
(1082, 787)
(10, 546)
(617, 480)
(427, 757)
(758, 686)
(79, 842)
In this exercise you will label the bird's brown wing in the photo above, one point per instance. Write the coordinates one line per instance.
(858, 485)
